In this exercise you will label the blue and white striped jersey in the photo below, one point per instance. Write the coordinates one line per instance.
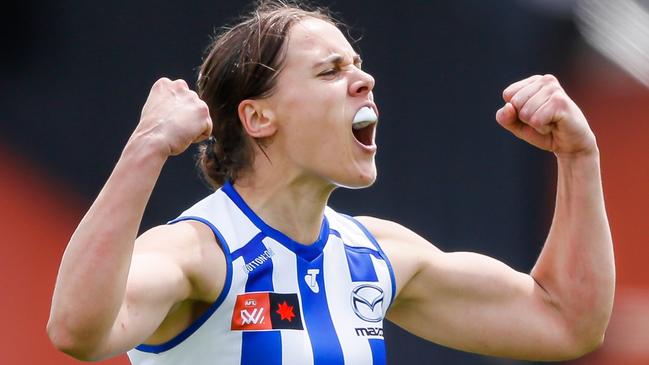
(284, 302)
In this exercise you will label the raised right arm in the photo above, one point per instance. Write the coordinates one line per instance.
(90, 303)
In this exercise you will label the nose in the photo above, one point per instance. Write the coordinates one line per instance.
(362, 84)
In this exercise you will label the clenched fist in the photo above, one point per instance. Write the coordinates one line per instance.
(538, 111)
(174, 117)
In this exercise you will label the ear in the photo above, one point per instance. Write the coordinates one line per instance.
(258, 121)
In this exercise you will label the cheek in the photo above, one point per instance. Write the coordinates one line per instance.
(315, 115)
(314, 118)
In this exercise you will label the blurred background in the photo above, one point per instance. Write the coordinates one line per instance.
(74, 75)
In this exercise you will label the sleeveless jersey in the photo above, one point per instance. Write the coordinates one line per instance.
(284, 303)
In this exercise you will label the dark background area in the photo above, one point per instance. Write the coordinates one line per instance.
(75, 75)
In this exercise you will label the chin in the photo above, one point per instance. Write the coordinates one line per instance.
(359, 180)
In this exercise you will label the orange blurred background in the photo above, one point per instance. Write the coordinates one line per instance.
(618, 110)
(38, 216)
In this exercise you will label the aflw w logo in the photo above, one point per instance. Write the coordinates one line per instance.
(254, 317)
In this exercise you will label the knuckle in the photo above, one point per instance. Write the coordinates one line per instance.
(550, 78)
(190, 96)
(161, 82)
(508, 93)
(203, 108)
(180, 83)
(558, 99)
(552, 88)
(535, 121)
(534, 78)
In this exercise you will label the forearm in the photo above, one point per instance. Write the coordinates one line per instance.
(91, 283)
(576, 266)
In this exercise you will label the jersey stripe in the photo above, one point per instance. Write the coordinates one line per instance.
(370, 236)
(356, 349)
(378, 351)
(296, 345)
(324, 341)
(384, 274)
(360, 265)
(263, 347)
(258, 264)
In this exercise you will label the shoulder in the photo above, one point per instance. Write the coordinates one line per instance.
(191, 246)
(389, 233)
(185, 240)
(408, 252)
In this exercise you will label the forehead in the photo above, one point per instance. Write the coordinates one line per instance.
(310, 40)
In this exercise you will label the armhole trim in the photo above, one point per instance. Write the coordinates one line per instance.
(156, 349)
(372, 239)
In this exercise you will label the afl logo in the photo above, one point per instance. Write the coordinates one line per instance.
(367, 302)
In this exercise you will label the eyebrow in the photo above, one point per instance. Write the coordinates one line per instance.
(337, 59)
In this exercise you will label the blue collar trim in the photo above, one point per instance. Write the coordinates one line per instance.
(306, 252)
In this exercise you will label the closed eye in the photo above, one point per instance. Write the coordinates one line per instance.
(338, 63)
(329, 72)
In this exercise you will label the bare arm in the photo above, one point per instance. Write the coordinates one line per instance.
(474, 303)
(91, 286)
(576, 267)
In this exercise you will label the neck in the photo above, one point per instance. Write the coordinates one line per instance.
(291, 204)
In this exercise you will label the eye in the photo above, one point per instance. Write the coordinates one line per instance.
(329, 72)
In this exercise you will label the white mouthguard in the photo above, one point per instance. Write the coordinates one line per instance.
(364, 117)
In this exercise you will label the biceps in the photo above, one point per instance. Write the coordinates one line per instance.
(155, 285)
(474, 303)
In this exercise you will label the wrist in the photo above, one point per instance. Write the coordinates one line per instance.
(585, 155)
(579, 167)
(146, 147)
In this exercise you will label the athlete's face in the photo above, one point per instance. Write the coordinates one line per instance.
(319, 91)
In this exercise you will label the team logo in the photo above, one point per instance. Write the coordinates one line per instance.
(311, 280)
(252, 317)
(367, 302)
(266, 311)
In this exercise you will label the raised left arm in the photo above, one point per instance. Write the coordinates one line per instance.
(475, 303)
(576, 267)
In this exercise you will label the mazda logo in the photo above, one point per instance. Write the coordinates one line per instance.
(367, 302)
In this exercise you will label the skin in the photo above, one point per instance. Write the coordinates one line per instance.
(153, 287)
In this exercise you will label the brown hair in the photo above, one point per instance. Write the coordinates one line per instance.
(243, 62)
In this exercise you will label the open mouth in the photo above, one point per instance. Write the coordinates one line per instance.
(364, 125)
(364, 135)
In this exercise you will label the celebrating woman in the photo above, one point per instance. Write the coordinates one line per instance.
(262, 271)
